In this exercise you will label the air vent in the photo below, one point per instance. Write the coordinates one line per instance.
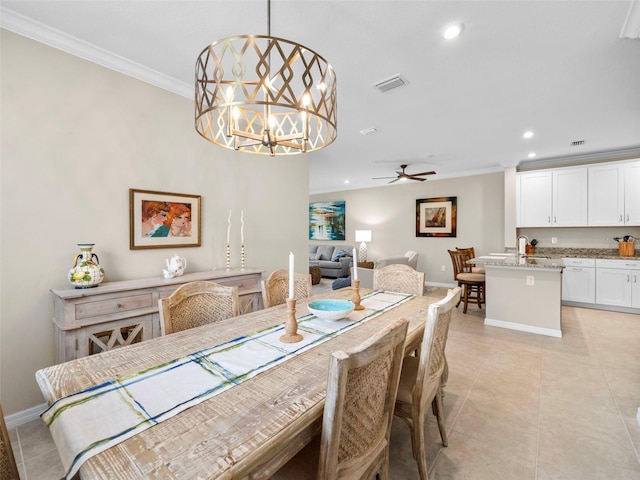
(577, 142)
(390, 83)
(369, 131)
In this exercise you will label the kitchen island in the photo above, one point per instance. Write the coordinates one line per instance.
(523, 293)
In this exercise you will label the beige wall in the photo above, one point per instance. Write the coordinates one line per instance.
(389, 212)
(75, 138)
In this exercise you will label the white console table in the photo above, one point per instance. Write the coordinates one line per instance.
(113, 314)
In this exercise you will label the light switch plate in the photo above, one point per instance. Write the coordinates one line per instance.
(531, 280)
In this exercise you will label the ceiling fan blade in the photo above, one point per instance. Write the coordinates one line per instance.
(411, 177)
(381, 178)
(423, 173)
(393, 181)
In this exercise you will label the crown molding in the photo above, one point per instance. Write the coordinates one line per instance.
(631, 27)
(52, 37)
(582, 159)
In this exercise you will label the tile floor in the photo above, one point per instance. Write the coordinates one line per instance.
(517, 406)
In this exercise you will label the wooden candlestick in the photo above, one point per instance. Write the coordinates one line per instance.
(355, 298)
(228, 257)
(242, 257)
(291, 326)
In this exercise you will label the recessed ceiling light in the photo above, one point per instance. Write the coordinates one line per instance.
(346, 181)
(531, 155)
(369, 131)
(452, 31)
(528, 134)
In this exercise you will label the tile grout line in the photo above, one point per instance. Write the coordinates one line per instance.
(24, 467)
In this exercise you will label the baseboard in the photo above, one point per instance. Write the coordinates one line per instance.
(25, 416)
(549, 332)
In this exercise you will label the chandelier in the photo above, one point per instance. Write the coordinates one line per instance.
(265, 95)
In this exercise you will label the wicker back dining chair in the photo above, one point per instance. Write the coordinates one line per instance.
(473, 284)
(8, 467)
(358, 410)
(197, 303)
(398, 277)
(275, 289)
(421, 379)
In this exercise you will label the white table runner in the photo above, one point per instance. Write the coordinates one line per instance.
(92, 420)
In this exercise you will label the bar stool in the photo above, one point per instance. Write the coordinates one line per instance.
(472, 283)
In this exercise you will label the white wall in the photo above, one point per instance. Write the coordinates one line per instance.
(75, 138)
(390, 213)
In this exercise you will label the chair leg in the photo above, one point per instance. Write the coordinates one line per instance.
(467, 289)
(419, 451)
(440, 416)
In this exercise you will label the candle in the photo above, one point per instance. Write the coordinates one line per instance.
(229, 227)
(291, 272)
(242, 227)
(355, 265)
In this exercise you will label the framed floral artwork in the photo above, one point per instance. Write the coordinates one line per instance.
(163, 220)
(436, 217)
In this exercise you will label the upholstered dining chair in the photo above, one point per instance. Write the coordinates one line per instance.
(8, 467)
(473, 284)
(197, 303)
(358, 410)
(421, 379)
(275, 289)
(398, 277)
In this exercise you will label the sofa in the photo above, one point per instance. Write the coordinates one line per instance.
(334, 260)
(365, 275)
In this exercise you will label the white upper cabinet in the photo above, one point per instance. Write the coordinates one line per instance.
(552, 198)
(569, 197)
(632, 194)
(533, 193)
(614, 194)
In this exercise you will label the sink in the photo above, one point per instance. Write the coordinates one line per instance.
(537, 257)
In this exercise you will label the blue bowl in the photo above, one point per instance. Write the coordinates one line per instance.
(331, 309)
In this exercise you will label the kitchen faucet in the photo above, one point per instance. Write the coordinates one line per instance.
(522, 246)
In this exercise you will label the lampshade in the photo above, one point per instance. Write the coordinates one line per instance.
(363, 235)
(265, 95)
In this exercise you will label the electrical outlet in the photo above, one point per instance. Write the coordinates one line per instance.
(554, 240)
(605, 240)
(531, 280)
(443, 268)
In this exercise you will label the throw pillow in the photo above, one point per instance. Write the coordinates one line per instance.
(313, 257)
(338, 255)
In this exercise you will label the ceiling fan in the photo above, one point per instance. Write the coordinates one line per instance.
(407, 176)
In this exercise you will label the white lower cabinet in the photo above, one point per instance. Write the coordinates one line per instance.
(618, 282)
(579, 280)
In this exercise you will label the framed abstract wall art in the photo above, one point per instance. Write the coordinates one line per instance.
(436, 217)
(163, 220)
(326, 220)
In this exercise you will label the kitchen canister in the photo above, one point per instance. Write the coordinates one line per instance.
(86, 271)
(626, 249)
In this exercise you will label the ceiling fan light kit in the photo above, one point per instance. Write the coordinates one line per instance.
(265, 95)
(403, 176)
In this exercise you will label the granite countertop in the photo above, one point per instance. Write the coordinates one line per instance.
(511, 261)
(609, 253)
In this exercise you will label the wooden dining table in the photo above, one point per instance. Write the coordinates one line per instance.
(248, 431)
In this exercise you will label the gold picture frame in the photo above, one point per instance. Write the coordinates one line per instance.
(163, 219)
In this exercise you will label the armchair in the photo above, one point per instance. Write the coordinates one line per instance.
(365, 275)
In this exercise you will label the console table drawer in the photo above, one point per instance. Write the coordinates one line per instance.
(113, 305)
(244, 284)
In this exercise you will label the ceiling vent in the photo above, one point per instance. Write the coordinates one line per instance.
(369, 131)
(390, 83)
(577, 142)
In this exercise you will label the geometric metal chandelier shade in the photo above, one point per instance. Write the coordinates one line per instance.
(265, 95)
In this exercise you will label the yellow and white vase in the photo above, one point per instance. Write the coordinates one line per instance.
(86, 271)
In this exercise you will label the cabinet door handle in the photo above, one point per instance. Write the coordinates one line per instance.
(549, 219)
(627, 217)
(620, 217)
(628, 278)
(577, 269)
(118, 305)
